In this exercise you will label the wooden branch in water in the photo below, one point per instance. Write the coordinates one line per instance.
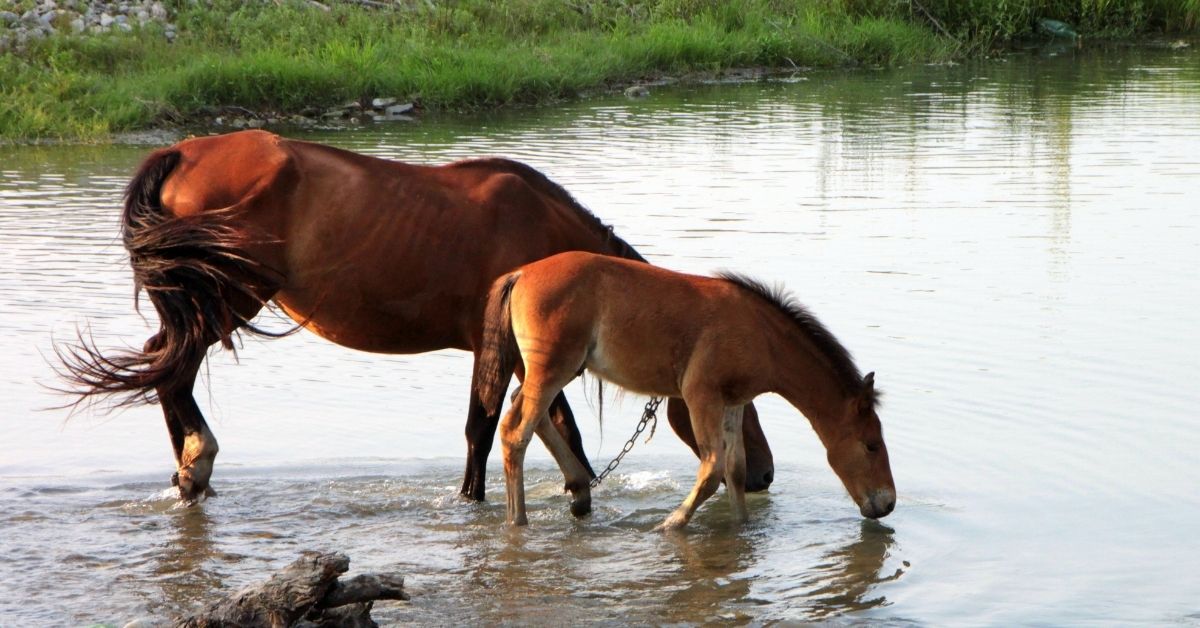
(305, 594)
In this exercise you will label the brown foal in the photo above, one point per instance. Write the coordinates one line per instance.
(717, 342)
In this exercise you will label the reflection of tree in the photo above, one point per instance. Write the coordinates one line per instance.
(847, 576)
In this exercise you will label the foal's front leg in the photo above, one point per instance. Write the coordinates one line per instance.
(735, 460)
(707, 425)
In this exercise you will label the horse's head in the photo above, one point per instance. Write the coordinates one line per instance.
(760, 464)
(858, 455)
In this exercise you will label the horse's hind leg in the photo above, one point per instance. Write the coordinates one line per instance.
(578, 479)
(735, 460)
(194, 444)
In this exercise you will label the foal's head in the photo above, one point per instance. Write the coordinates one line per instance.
(858, 455)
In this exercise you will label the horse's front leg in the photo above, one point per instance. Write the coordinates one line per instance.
(480, 431)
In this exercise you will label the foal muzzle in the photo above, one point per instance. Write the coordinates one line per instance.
(878, 504)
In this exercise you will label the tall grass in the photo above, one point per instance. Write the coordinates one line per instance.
(983, 24)
(480, 53)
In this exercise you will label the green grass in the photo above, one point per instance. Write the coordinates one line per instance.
(486, 53)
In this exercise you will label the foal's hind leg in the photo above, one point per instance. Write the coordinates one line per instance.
(516, 430)
(564, 421)
(578, 480)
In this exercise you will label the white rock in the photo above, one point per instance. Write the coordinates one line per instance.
(396, 110)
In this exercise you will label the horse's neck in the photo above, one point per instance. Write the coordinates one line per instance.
(805, 379)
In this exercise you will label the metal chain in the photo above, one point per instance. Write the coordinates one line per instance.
(648, 415)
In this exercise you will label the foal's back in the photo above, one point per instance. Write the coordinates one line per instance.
(644, 328)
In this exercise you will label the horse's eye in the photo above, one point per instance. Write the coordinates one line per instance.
(873, 447)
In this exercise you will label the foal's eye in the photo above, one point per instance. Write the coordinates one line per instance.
(873, 447)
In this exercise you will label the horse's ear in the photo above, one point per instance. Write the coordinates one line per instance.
(869, 383)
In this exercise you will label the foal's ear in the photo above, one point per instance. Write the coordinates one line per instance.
(866, 399)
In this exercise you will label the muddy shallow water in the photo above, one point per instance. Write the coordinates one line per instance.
(1011, 246)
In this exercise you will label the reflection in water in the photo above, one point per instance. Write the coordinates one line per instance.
(851, 572)
(183, 566)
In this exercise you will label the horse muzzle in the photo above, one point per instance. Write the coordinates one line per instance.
(756, 482)
(878, 504)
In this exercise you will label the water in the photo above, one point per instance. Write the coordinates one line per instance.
(1011, 246)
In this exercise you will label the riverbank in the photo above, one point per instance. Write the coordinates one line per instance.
(96, 68)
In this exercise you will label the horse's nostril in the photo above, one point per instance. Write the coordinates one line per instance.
(768, 477)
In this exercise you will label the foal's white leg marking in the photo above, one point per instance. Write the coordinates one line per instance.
(735, 461)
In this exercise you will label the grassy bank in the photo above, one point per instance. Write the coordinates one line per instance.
(481, 53)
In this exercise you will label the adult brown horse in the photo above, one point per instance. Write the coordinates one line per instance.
(372, 254)
(717, 342)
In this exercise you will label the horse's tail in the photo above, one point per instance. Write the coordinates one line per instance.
(197, 277)
(499, 353)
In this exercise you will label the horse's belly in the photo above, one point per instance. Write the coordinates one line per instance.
(380, 329)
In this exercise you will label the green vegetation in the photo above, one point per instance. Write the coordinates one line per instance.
(288, 55)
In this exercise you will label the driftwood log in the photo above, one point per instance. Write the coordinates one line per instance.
(305, 594)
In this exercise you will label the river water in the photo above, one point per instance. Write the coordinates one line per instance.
(1012, 246)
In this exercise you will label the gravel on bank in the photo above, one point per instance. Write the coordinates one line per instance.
(51, 17)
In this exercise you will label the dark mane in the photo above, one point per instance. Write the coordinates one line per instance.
(838, 356)
(543, 183)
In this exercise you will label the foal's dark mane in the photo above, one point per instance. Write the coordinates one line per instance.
(560, 194)
(839, 358)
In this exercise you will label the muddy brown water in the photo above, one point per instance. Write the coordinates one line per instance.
(1012, 246)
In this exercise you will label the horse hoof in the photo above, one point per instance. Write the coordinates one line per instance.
(581, 507)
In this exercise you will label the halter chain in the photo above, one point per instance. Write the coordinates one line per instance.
(648, 415)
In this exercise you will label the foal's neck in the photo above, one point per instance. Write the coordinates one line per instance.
(804, 376)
